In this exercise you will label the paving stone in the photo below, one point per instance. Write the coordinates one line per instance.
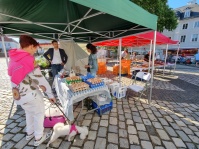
(128, 116)
(122, 133)
(92, 135)
(194, 139)
(12, 125)
(65, 145)
(175, 126)
(143, 135)
(180, 123)
(170, 131)
(157, 114)
(191, 146)
(88, 116)
(104, 123)
(89, 145)
(178, 142)
(163, 134)
(56, 143)
(148, 111)
(113, 121)
(129, 122)
(135, 147)
(157, 125)
(133, 139)
(169, 119)
(94, 126)
(124, 143)
(151, 130)
(194, 128)
(163, 121)
(113, 114)
(102, 132)
(113, 138)
(96, 119)
(7, 137)
(112, 146)
(155, 140)
(122, 125)
(18, 137)
(8, 145)
(74, 148)
(113, 129)
(86, 122)
(100, 143)
(146, 145)
(2, 126)
(77, 141)
(121, 118)
(183, 136)
(147, 121)
(187, 130)
(152, 117)
(15, 130)
(4, 131)
(140, 127)
(22, 124)
(159, 147)
(132, 130)
(137, 119)
(28, 147)
(21, 143)
(143, 114)
(175, 117)
(169, 145)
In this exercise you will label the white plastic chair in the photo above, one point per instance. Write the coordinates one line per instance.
(145, 77)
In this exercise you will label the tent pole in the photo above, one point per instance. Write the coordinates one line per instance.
(153, 58)
(165, 59)
(150, 56)
(3, 45)
(176, 57)
(120, 57)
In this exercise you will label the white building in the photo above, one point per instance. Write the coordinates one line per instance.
(9, 44)
(187, 31)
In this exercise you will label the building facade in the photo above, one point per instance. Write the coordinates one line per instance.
(187, 31)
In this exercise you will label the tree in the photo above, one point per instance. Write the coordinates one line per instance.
(166, 16)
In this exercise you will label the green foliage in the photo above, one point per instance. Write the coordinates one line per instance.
(166, 16)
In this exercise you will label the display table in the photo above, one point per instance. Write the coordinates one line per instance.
(68, 98)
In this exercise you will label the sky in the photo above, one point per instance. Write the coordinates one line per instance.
(178, 3)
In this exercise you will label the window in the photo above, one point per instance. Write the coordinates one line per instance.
(185, 26)
(182, 39)
(194, 37)
(187, 13)
(196, 24)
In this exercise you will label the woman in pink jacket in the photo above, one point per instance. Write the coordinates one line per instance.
(26, 79)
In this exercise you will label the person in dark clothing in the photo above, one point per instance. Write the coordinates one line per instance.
(57, 57)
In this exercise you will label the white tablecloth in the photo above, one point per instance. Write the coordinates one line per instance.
(68, 98)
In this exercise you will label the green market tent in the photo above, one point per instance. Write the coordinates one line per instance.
(80, 20)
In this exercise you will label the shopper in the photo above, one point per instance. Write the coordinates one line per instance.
(92, 66)
(26, 79)
(57, 57)
(197, 58)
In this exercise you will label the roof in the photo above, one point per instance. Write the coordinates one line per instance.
(83, 21)
(138, 40)
(194, 9)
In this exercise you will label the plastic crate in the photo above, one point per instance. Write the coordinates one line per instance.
(88, 76)
(94, 85)
(103, 109)
(120, 92)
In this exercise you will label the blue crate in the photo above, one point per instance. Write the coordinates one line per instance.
(94, 85)
(88, 76)
(103, 109)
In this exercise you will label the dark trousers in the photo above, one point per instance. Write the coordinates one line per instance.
(56, 68)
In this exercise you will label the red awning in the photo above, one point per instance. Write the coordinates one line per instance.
(138, 40)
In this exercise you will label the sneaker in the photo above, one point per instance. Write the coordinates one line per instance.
(45, 136)
(29, 137)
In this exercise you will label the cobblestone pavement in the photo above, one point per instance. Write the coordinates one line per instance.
(172, 120)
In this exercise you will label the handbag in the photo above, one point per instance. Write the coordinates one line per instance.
(54, 117)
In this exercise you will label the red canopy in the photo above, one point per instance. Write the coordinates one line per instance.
(138, 40)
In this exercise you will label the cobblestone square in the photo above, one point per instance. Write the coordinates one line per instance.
(171, 121)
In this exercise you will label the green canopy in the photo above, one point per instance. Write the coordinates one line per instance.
(81, 20)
